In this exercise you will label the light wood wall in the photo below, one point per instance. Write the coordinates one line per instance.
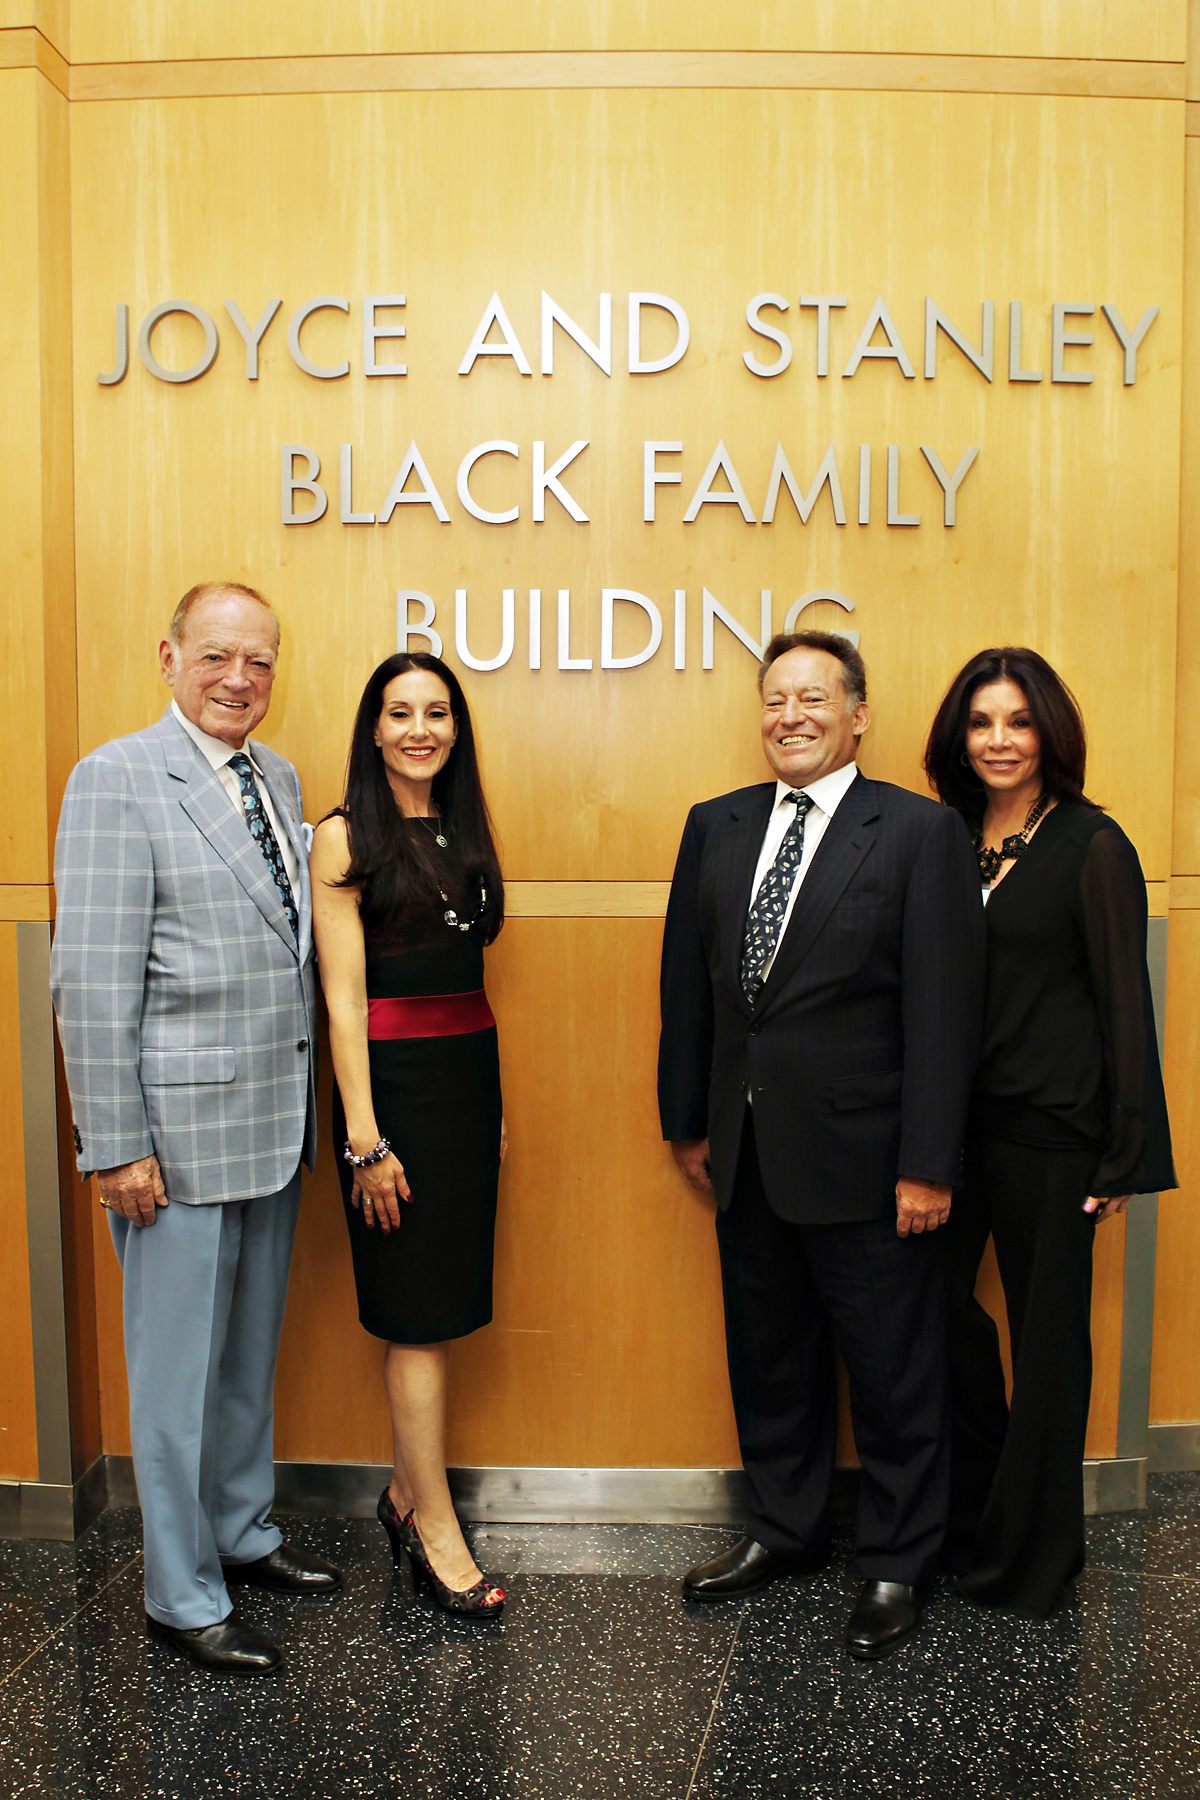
(38, 734)
(1032, 153)
(591, 774)
(1175, 1391)
(162, 30)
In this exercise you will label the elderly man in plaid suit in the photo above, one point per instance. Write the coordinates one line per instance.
(183, 978)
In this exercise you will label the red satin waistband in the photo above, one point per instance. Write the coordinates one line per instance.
(429, 1015)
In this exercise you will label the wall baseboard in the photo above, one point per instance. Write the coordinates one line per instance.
(44, 1509)
(1114, 1484)
(516, 1495)
(613, 1496)
(1173, 1449)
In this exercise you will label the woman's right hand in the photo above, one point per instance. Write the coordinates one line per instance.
(379, 1189)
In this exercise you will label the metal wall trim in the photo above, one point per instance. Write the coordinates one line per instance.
(516, 1496)
(532, 1496)
(1114, 1484)
(42, 1214)
(1174, 1449)
(1141, 1249)
(51, 1510)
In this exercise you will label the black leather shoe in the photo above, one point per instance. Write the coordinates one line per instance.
(231, 1648)
(287, 1571)
(746, 1569)
(885, 1616)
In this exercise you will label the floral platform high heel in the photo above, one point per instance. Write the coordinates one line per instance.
(471, 1603)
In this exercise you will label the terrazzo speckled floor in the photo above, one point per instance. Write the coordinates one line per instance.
(602, 1682)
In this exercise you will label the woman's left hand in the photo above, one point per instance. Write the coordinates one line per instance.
(1104, 1209)
(503, 1140)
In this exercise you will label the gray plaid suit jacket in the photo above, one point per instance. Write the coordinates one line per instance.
(186, 1010)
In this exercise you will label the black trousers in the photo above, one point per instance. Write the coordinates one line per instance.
(791, 1291)
(1016, 1532)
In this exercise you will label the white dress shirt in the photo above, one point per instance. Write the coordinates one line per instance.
(218, 755)
(826, 794)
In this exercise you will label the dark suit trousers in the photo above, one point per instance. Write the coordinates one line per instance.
(1016, 1527)
(791, 1292)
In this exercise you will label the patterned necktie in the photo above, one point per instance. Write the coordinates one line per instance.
(765, 918)
(264, 837)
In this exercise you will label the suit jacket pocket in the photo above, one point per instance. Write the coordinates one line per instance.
(878, 1088)
(187, 1068)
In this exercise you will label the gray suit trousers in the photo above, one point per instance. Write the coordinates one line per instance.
(205, 1289)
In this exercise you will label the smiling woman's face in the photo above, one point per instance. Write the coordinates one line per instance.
(1003, 745)
(416, 731)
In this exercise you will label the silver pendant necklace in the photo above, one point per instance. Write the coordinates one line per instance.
(451, 917)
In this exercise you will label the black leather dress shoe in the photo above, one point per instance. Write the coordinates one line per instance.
(231, 1648)
(746, 1569)
(885, 1616)
(287, 1571)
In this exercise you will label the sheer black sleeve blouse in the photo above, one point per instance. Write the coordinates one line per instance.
(1070, 1055)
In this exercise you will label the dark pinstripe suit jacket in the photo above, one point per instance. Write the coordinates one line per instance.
(861, 1048)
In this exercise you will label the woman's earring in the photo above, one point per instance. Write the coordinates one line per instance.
(964, 759)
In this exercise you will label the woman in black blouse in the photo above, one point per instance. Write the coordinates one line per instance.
(1067, 1121)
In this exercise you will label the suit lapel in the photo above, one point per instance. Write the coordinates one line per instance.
(739, 859)
(847, 840)
(210, 809)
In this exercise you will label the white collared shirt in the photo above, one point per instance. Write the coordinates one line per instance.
(826, 794)
(218, 755)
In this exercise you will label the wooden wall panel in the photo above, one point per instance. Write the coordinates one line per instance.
(110, 1342)
(39, 730)
(18, 1414)
(606, 1264)
(38, 736)
(23, 831)
(161, 29)
(1186, 849)
(608, 1342)
(1107, 1297)
(55, 423)
(77, 1199)
(608, 1316)
(51, 17)
(1175, 1389)
(1061, 525)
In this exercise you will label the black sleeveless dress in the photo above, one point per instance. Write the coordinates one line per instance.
(435, 1083)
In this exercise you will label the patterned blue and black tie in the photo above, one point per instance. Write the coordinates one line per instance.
(770, 903)
(264, 837)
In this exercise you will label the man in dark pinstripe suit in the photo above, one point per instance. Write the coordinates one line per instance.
(822, 983)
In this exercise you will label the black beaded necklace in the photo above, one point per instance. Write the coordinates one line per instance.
(434, 827)
(451, 917)
(991, 861)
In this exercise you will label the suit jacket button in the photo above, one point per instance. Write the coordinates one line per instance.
(303, 1044)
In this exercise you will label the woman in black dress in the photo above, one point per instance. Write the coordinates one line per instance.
(406, 893)
(1067, 1121)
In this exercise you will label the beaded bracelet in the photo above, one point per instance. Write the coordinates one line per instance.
(382, 1149)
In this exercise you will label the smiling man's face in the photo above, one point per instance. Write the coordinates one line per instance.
(223, 667)
(808, 730)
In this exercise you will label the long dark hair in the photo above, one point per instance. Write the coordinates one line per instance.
(1052, 707)
(391, 866)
